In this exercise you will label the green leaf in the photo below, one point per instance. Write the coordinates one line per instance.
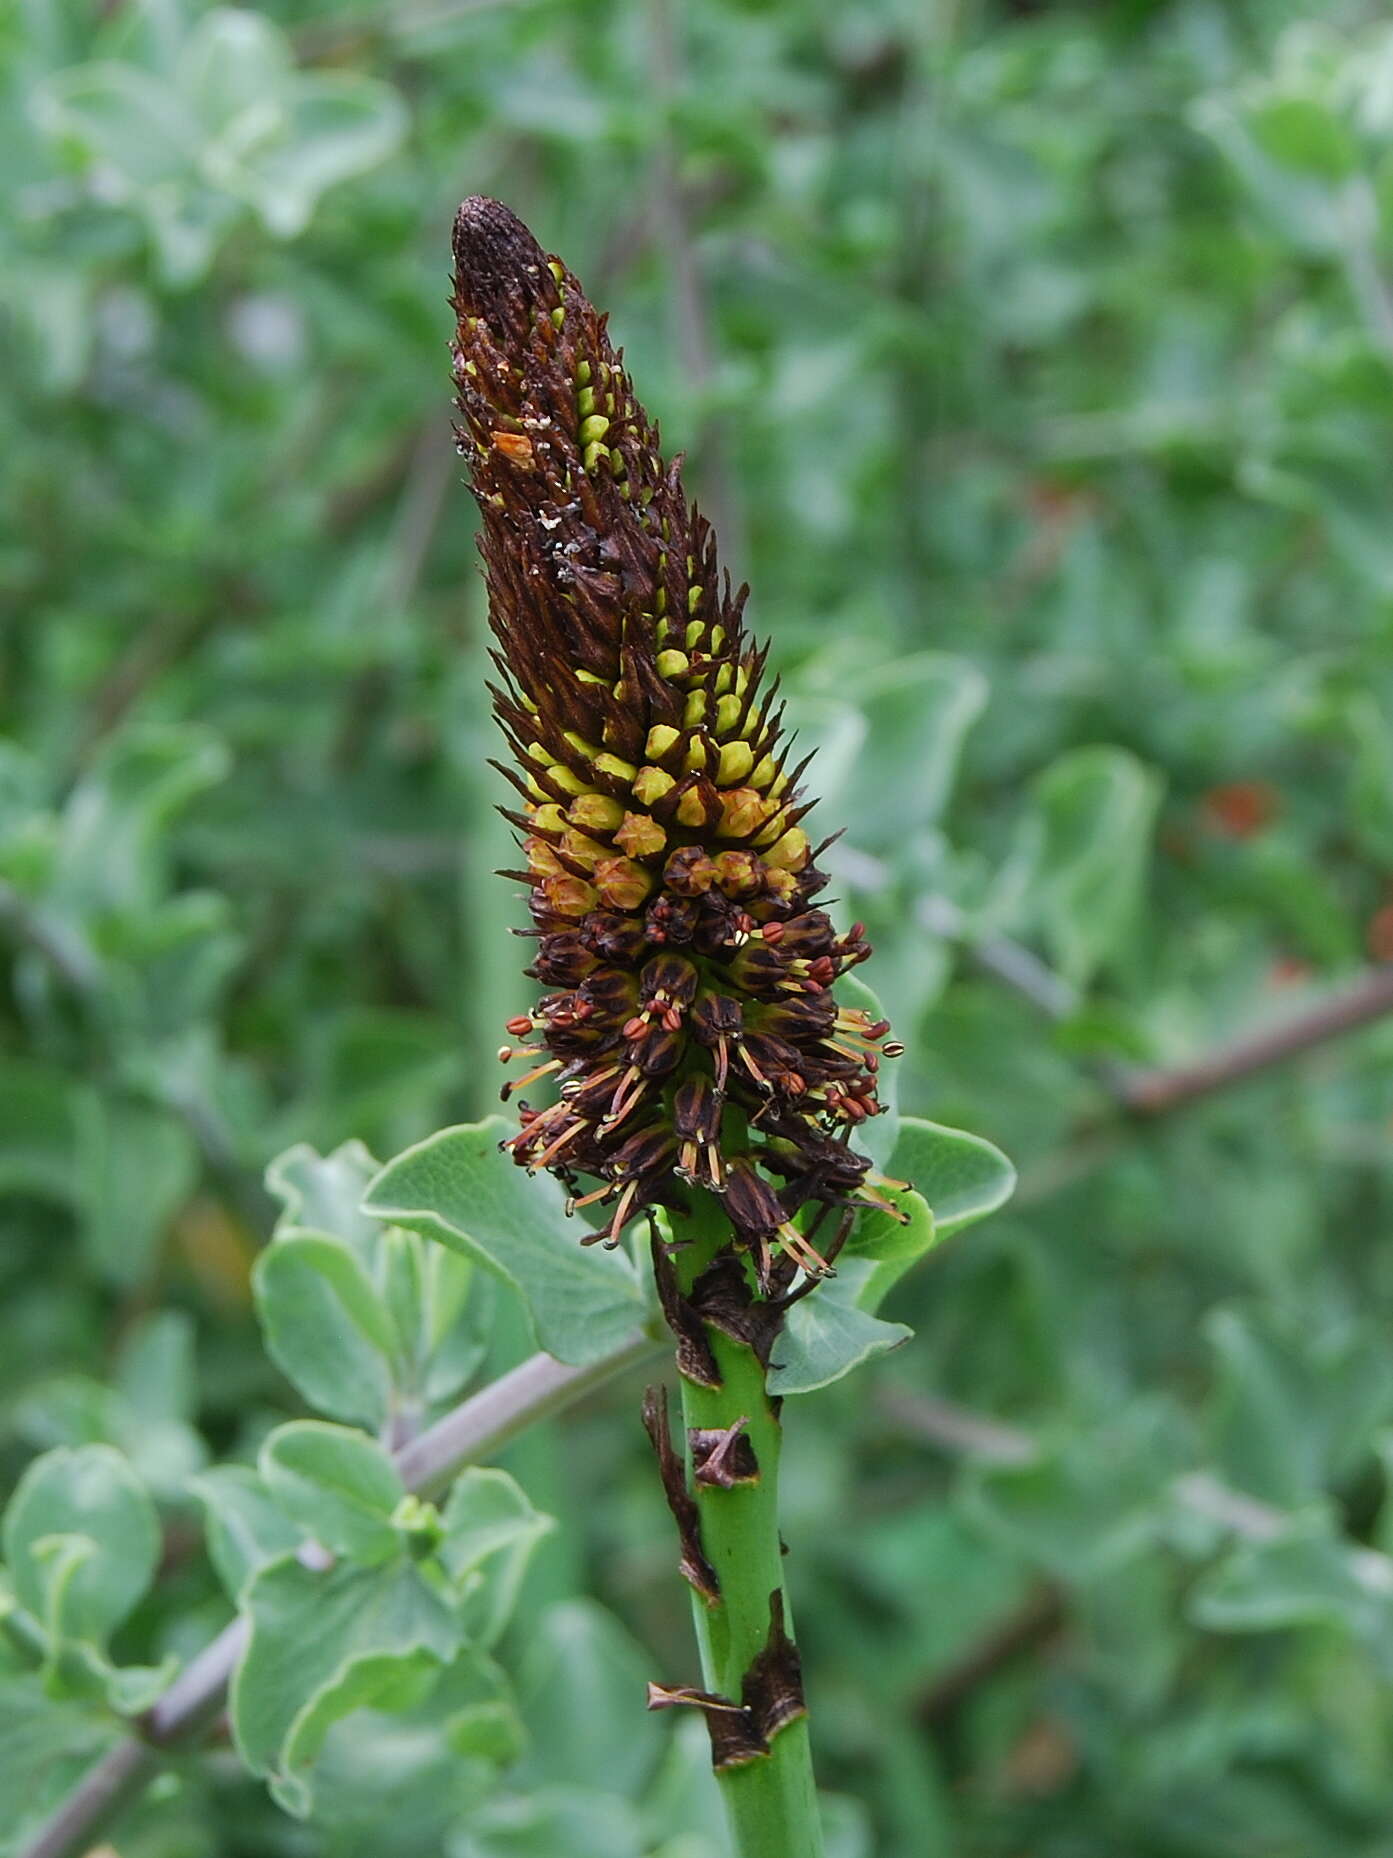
(115, 825)
(1096, 809)
(139, 1165)
(155, 1368)
(827, 1333)
(155, 1398)
(90, 1499)
(246, 1528)
(456, 1187)
(834, 1329)
(1296, 1404)
(325, 1643)
(234, 62)
(578, 1821)
(325, 1325)
(1090, 1504)
(1303, 1576)
(285, 136)
(46, 1746)
(491, 1731)
(962, 1177)
(42, 1112)
(442, 1308)
(1304, 132)
(338, 1485)
(131, 122)
(490, 1532)
(324, 1193)
(580, 1676)
(918, 712)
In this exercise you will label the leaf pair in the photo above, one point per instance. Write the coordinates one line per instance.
(356, 1594)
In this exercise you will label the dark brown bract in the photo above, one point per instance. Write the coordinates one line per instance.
(692, 1036)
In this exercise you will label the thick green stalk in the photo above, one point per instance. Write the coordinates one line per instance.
(770, 1801)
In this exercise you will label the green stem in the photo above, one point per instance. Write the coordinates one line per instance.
(770, 1802)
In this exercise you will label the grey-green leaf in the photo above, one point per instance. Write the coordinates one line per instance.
(326, 1326)
(458, 1188)
(323, 1193)
(491, 1531)
(962, 1177)
(245, 1527)
(338, 1485)
(324, 1643)
(90, 1492)
(827, 1333)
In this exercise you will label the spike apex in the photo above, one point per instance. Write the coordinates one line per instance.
(694, 1042)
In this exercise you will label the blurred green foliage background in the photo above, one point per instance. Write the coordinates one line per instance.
(1036, 364)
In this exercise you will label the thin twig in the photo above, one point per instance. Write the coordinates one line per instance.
(1359, 1003)
(1012, 963)
(974, 1435)
(478, 1428)
(1039, 1617)
(65, 949)
(1156, 1090)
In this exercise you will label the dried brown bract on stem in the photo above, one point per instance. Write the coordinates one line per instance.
(690, 1031)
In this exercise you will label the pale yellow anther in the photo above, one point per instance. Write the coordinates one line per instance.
(615, 765)
(725, 677)
(789, 853)
(542, 861)
(568, 782)
(742, 809)
(593, 428)
(661, 737)
(640, 836)
(728, 714)
(695, 629)
(672, 664)
(549, 818)
(693, 595)
(764, 771)
(623, 885)
(584, 850)
(690, 809)
(736, 760)
(694, 710)
(579, 744)
(538, 751)
(595, 812)
(696, 757)
(650, 784)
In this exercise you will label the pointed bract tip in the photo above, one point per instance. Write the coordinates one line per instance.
(496, 257)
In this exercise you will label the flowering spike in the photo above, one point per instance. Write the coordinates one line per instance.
(698, 1045)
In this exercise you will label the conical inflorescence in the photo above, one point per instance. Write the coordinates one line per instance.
(690, 1032)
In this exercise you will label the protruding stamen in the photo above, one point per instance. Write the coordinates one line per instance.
(521, 1083)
